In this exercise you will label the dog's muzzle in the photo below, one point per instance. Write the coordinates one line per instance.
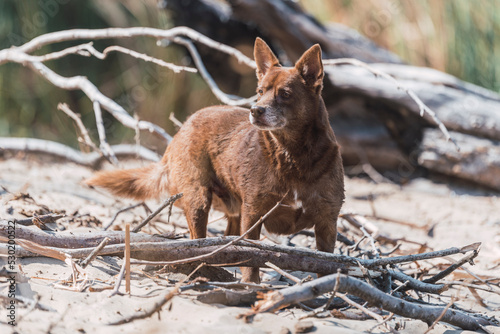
(256, 111)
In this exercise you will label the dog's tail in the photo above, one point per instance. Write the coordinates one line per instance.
(138, 183)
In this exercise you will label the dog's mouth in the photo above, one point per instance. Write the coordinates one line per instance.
(264, 123)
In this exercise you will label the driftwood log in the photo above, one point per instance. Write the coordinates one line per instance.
(73, 239)
(375, 122)
(277, 299)
(478, 160)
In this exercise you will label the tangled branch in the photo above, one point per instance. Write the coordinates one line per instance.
(179, 35)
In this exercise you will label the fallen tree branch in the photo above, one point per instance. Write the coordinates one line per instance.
(83, 84)
(248, 253)
(179, 35)
(145, 243)
(70, 240)
(276, 300)
(92, 159)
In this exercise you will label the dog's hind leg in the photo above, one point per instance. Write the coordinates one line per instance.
(233, 225)
(196, 208)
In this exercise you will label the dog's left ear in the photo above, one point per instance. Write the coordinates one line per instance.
(310, 67)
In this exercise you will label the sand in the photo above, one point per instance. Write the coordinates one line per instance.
(458, 215)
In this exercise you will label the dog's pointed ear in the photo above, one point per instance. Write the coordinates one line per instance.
(310, 67)
(264, 58)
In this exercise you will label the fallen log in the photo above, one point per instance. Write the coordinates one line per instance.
(243, 253)
(461, 106)
(275, 300)
(92, 159)
(68, 239)
(239, 22)
(478, 160)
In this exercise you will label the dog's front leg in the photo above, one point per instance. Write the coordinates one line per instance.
(326, 236)
(250, 274)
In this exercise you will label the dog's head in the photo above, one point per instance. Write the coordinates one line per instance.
(286, 95)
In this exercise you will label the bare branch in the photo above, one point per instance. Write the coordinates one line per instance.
(223, 97)
(175, 68)
(83, 84)
(86, 159)
(105, 148)
(422, 106)
(85, 134)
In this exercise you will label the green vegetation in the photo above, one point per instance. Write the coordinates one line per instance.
(460, 37)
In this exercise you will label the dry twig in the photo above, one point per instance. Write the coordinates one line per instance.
(94, 253)
(85, 138)
(168, 202)
(158, 304)
(127, 258)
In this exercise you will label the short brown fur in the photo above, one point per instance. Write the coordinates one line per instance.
(220, 159)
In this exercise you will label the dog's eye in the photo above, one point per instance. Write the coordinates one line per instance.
(284, 94)
(260, 91)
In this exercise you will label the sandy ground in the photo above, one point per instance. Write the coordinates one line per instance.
(460, 216)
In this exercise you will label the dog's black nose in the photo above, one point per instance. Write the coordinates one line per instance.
(257, 110)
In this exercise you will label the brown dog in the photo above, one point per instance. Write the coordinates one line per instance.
(220, 159)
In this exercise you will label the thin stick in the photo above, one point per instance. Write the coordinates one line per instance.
(174, 120)
(441, 315)
(119, 280)
(381, 321)
(175, 68)
(284, 273)
(361, 307)
(120, 211)
(169, 201)
(78, 121)
(453, 267)
(105, 148)
(159, 304)
(127, 258)
(94, 253)
(372, 241)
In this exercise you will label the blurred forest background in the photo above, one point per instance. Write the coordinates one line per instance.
(460, 37)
